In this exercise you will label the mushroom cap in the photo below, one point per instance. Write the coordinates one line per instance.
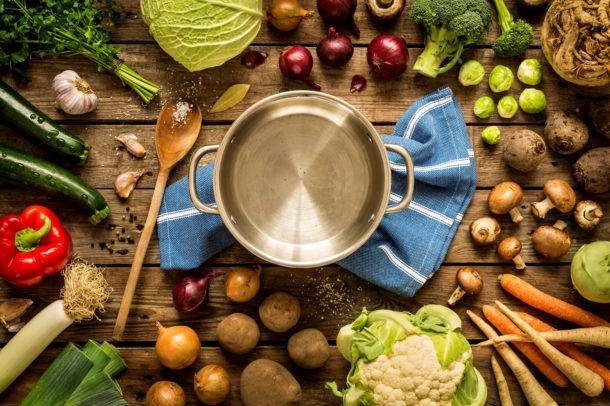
(551, 242)
(509, 248)
(469, 279)
(588, 214)
(385, 9)
(561, 194)
(484, 231)
(504, 197)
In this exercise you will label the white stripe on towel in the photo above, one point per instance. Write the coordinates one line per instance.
(401, 265)
(179, 214)
(423, 110)
(428, 212)
(454, 163)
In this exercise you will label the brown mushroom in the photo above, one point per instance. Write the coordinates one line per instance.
(484, 231)
(509, 249)
(385, 9)
(504, 198)
(469, 281)
(559, 195)
(588, 214)
(551, 242)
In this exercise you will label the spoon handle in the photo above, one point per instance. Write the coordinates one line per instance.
(138, 259)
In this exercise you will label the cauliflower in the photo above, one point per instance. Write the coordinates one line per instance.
(404, 359)
(411, 375)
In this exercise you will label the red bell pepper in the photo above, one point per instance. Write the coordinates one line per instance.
(32, 246)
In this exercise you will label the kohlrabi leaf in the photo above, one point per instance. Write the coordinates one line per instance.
(472, 390)
(203, 33)
(449, 347)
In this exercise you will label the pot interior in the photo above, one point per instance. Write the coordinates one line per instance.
(302, 180)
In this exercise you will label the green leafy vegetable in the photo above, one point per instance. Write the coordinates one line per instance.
(232, 96)
(205, 33)
(64, 28)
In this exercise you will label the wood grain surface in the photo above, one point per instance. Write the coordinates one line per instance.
(330, 296)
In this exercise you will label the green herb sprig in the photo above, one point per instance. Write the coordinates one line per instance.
(65, 28)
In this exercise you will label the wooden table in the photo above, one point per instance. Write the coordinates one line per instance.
(330, 296)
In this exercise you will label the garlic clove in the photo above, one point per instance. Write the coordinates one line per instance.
(12, 309)
(132, 145)
(126, 182)
(73, 94)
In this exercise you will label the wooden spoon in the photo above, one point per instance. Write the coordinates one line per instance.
(177, 130)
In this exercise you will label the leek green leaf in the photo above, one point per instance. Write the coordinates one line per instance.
(230, 97)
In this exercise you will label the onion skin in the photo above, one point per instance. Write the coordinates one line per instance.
(286, 15)
(165, 393)
(212, 384)
(177, 347)
(388, 56)
(243, 284)
(335, 49)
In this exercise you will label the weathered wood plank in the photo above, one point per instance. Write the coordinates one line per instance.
(330, 298)
(381, 101)
(133, 29)
(107, 159)
(86, 237)
(144, 369)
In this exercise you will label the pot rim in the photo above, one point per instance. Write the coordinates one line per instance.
(373, 223)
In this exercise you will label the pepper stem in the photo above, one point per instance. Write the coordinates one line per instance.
(27, 240)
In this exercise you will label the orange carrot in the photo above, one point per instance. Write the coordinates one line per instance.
(506, 326)
(570, 349)
(547, 303)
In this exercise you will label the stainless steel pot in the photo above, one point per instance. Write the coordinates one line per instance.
(301, 179)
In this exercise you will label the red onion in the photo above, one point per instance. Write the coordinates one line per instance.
(252, 59)
(387, 56)
(191, 292)
(296, 63)
(339, 12)
(335, 49)
(358, 83)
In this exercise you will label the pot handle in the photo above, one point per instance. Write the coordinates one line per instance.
(206, 208)
(406, 156)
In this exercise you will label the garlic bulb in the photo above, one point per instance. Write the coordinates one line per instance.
(72, 94)
(131, 143)
(125, 183)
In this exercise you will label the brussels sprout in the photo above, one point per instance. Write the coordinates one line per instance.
(530, 72)
(471, 73)
(491, 135)
(532, 101)
(590, 271)
(500, 79)
(507, 107)
(484, 107)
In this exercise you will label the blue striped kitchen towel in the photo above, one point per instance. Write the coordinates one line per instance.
(407, 248)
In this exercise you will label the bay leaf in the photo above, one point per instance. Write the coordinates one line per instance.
(232, 96)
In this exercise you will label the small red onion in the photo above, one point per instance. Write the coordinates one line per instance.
(296, 63)
(191, 292)
(252, 59)
(339, 12)
(388, 55)
(335, 49)
(358, 83)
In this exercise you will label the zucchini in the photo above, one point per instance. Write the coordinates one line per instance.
(27, 120)
(23, 169)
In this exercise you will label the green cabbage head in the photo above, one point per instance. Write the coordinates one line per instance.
(591, 271)
(415, 355)
(201, 34)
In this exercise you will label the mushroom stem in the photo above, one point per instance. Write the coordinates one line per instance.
(457, 294)
(540, 209)
(515, 215)
(519, 263)
(560, 224)
(593, 214)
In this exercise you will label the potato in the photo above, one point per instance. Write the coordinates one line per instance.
(238, 333)
(523, 150)
(266, 383)
(308, 348)
(280, 312)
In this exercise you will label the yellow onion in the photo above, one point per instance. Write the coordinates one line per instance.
(177, 347)
(243, 284)
(165, 393)
(212, 384)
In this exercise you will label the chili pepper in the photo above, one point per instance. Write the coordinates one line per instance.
(33, 245)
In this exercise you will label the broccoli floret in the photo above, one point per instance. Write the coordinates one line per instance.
(516, 36)
(451, 25)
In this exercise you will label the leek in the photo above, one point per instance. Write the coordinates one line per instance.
(95, 387)
(85, 291)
